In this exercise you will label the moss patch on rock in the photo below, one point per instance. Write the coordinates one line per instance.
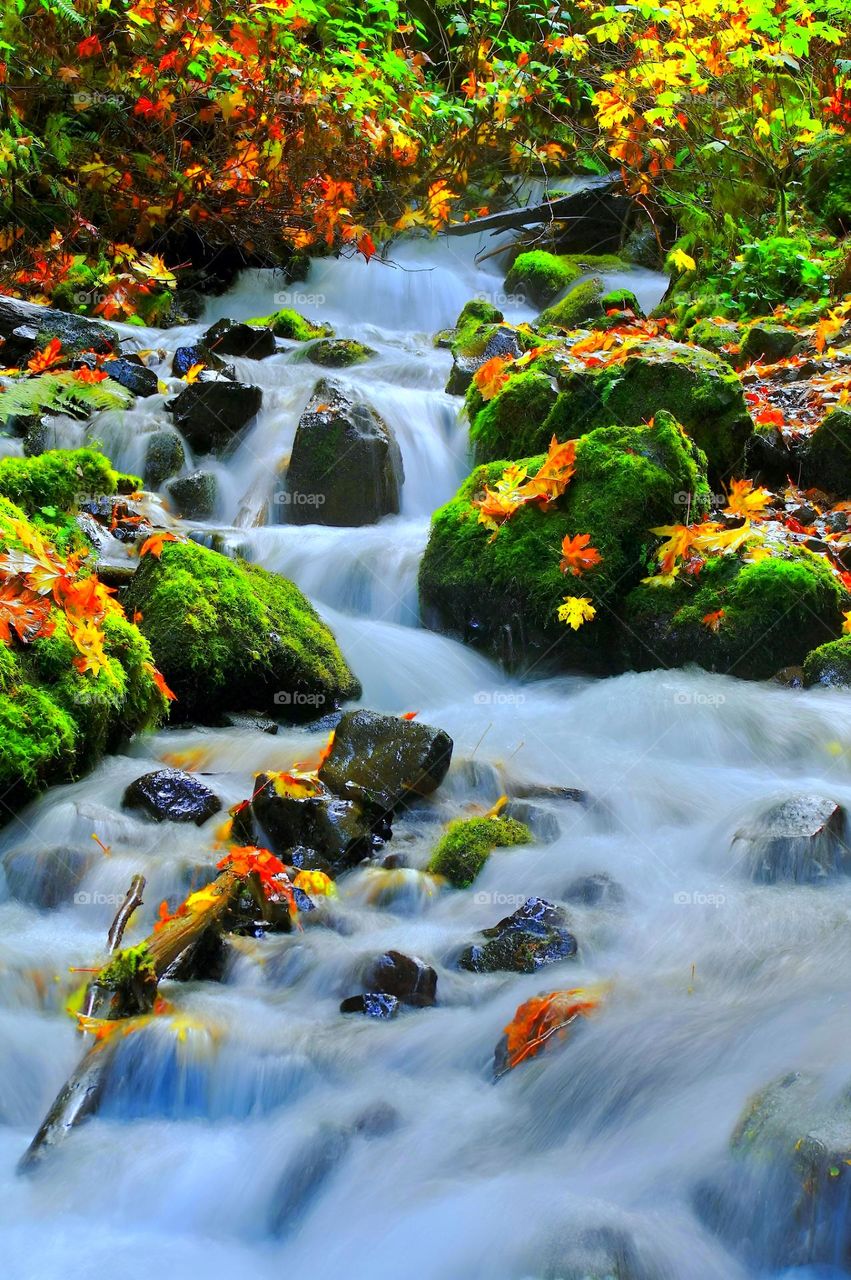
(468, 843)
(338, 353)
(775, 612)
(502, 592)
(583, 303)
(291, 324)
(541, 276)
(230, 635)
(829, 664)
(509, 425)
(59, 478)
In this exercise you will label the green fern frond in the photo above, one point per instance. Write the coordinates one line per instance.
(60, 393)
(66, 9)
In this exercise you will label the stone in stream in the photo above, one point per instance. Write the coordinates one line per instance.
(232, 338)
(46, 877)
(195, 496)
(374, 1004)
(380, 760)
(164, 457)
(408, 978)
(129, 372)
(595, 890)
(799, 840)
(170, 795)
(533, 936)
(24, 325)
(543, 824)
(339, 830)
(346, 466)
(781, 1194)
(185, 358)
(338, 353)
(210, 414)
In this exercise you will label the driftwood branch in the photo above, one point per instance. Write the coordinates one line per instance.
(573, 207)
(132, 900)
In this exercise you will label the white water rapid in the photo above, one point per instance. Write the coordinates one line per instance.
(258, 1132)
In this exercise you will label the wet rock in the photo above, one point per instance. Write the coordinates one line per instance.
(133, 375)
(340, 830)
(304, 859)
(210, 414)
(790, 677)
(381, 760)
(533, 936)
(185, 358)
(801, 839)
(407, 978)
(338, 353)
(346, 466)
(169, 795)
(46, 877)
(769, 459)
(25, 326)
(231, 338)
(829, 665)
(195, 496)
(250, 720)
(374, 1004)
(782, 1195)
(595, 890)
(768, 343)
(164, 457)
(543, 824)
(467, 358)
(473, 779)
(542, 791)
(305, 1177)
(827, 454)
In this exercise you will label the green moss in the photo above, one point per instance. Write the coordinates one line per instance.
(542, 276)
(827, 459)
(130, 965)
(827, 181)
(503, 592)
(468, 843)
(291, 324)
(621, 300)
(775, 612)
(57, 478)
(39, 740)
(768, 343)
(584, 302)
(509, 425)
(829, 664)
(229, 634)
(338, 353)
(715, 335)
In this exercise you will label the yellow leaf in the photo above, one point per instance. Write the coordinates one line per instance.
(576, 611)
(681, 261)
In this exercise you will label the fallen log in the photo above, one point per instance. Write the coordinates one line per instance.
(125, 988)
(578, 206)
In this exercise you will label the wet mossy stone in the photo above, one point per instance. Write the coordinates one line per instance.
(340, 831)
(716, 335)
(502, 593)
(509, 425)
(583, 303)
(231, 636)
(346, 466)
(467, 844)
(338, 353)
(132, 375)
(540, 276)
(382, 760)
(291, 324)
(767, 343)
(209, 415)
(700, 390)
(195, 496)
(24, 326)
(829, 665)
(775, 612)
(164, 457)
(533, 936)
(622, 300)
(827, 454)
(475, 349)
(232, 338)
(59, 478)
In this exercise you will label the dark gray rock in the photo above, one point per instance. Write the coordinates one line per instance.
(407, 978)
(346, 466)
(169, 795)
(195, 496)
(25, 326)
(768, 343)
(380, 760)
(132, 374)
(210, 414)
(46, 877)
(185, 358)
(542, 822)
(533, 936)
(374, 1004)
(341, 831)
(801, 839)
(231, 338)
(595, 890)
(502, 342)
(164, 457)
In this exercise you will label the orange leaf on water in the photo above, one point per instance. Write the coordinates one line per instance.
(542, 1017)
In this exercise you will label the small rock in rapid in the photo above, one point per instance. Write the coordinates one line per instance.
(533, 936)
(231, 338)
(170, 795)
(195, 496)
(543, 824)
(46, 877)
(210, 414)
(383, 759)
(374, 1004)
(595, 890)
(800, 839)
(186, 358)
(407, 978)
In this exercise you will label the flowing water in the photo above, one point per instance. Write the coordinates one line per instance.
(259, 1132)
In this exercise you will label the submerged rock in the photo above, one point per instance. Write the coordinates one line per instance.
(374, 1004)
(346, 466)
(170, 795)
(46, 877)
(542, 822)
(801, 840)
(381, 760)
(232, 636)
(407, 978)
(231, 338)
(210, 414)
(533, 936)
(595, 890)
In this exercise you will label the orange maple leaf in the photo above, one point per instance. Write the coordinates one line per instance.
(577, 555)
(46, 359)
(491, 377)
(542, 1017)
(26, 612)
(713, 620)
(154, 545)
(159, 680)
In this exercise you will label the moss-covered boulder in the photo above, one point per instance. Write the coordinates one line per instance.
(584, 302)
(291, 324)
(767, 342)
(622, 300)
(700, 390)
(827, 454)
(60, 478)
(230, 635)
(56, 719)
(509, 425)
(774, 613)
(338, 353)
(503, 591)
(479, 335)
(829, 665)
(717, 336)
(467, 844)
(25, 327)
(540, 276)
